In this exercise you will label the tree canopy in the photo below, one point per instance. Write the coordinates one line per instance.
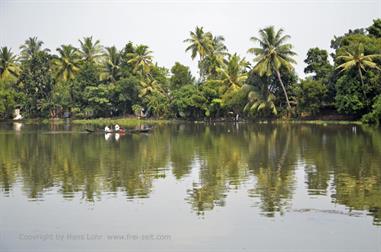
(93, 80)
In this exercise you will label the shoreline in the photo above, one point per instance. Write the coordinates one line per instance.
(132, 122)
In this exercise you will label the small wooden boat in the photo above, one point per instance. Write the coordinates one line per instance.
(120, 131)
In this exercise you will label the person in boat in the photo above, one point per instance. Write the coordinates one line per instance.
(107, 129)
(118, 128)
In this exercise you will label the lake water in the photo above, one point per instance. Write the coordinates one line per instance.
(191, 187)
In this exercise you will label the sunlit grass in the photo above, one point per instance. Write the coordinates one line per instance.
(323, 122)
(125, 122)
(132, 122)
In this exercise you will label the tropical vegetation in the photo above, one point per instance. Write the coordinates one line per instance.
(91, 80)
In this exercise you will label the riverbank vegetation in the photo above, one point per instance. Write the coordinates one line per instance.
(92, 81)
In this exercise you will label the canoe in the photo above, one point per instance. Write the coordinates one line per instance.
(121, 131)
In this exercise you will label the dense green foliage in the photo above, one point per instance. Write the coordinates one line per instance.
(311, 95)
(95, 81)
(181, 76)
(36, 82)
(375, 115)
(7, 99)
(318, 65)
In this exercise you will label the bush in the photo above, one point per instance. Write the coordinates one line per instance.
(7, 102)
(137, 109)
(188, 102)
(8, 98)
(375, 115)
(310, 95)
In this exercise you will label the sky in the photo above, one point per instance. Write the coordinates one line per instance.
(164, 24)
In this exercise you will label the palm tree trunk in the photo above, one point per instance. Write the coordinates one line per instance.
(284, 90)
(362, 82)
(282, 158)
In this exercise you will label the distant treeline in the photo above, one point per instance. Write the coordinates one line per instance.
(94, 81)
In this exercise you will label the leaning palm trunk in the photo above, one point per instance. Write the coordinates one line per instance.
(282, 158)
(362, 82)
(284, 91)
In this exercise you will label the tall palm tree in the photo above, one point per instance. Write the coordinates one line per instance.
(31, 46)
(111, 64)
(8, 63)
(233, 74)
(141, 59)
(218, 45)
(357, 59)
(90, 50)
(200, 43)
(68, 62)
(215, 57)
(272, 55)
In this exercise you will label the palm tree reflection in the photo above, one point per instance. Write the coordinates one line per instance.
(221, 158)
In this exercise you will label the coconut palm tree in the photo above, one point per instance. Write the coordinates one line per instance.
(8, 63)
(31, 46)
(111, 64)
(141, 59)
(200, 43)
(149, 86)
(259, 100)
(357, 59)
(68, 62)
(233, 74)
(218, 45)
(90, 50)
(272, 55)
(215, 58)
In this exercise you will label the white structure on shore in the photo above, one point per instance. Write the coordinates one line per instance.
(18, 115)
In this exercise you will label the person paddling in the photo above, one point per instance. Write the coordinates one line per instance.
(118, 128)
(107, 129)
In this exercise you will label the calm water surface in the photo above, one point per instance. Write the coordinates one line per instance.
(191, 187)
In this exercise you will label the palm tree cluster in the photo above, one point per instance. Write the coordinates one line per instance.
(272, 55)
(359, 61)
(210, 49)
(69, 59)
(227, 83)
(66, 64)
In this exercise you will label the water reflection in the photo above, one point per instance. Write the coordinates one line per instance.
(273, 156)
(338, 162)
(17, 126)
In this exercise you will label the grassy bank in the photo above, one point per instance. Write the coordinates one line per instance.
(125, 122)
(132, 122)
(320, 122)
(36, 121)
